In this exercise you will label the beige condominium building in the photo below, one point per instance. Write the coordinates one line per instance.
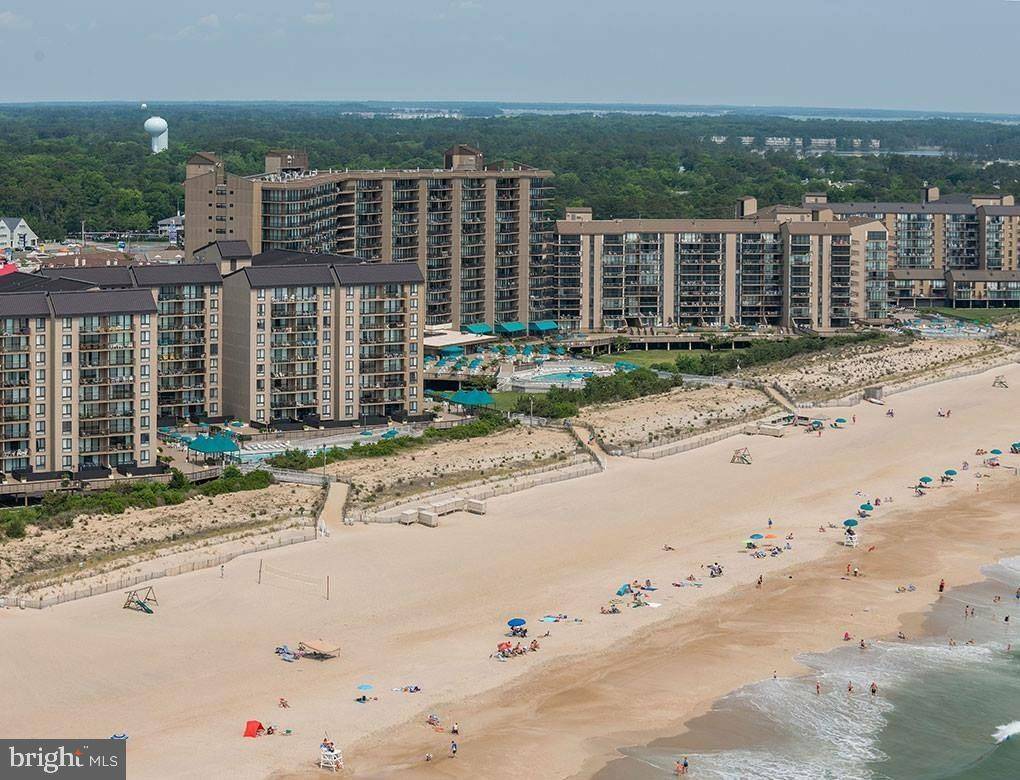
(78, 389)
(481, 232)
(189, 303)
(748, 271)
(323, 344)
(946, 250)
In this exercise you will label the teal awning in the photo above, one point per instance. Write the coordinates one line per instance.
(477, 328)
(213, 445)
(543, 326)
(471, 398)
(452, 350)
(510, 328)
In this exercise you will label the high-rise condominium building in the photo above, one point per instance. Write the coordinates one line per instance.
(188, 300)
(323, 343)
(953, 250)
(480, 232)
(716, 272)
(78, 388)
(93, 360)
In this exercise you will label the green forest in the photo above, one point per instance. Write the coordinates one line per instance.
(64, 163)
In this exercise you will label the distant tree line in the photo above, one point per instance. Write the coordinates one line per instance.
(64, 164)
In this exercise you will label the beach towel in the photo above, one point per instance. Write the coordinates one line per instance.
(653, 605)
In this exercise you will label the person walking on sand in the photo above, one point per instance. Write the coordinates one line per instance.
(761, 578)
(942, 586)
(453, 749)
(456, 728)
(770, 523)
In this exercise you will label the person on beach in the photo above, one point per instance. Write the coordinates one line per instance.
(453, 749)
(761, 578)
(770, 523)
(850, 687)
(818, 688)
(942, 586)
(456, 728)
(874, 688)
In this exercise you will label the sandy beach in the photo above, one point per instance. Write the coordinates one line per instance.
(426, 607)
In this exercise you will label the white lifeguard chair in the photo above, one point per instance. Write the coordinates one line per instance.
(851, 540)
(331, 760)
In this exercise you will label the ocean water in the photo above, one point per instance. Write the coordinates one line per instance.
(941, 711)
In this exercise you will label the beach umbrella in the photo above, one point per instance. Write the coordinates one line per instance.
(757, 536)
(926, 480)
(950, 472)
(841, 419)
(364, 687)
(516, 622)
(850, 523)
(996, 452)
(867, 507)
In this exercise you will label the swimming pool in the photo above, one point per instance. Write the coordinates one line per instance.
(570, 374)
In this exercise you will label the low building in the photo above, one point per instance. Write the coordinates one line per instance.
(16, 234)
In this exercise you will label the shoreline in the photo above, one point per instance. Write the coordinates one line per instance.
(560, 691)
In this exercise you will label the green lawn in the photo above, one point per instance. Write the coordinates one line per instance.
(506, 401)
(979, 316)
(640, 357)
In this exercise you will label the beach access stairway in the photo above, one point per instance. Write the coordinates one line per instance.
(446, 500)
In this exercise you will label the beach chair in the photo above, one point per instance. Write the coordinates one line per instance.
(851, 541)
(333, 761)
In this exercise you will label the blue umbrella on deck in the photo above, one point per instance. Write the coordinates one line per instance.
(516, 622)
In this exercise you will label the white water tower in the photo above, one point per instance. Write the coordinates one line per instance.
(158, 131)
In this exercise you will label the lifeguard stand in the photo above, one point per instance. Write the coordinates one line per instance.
(742, 456)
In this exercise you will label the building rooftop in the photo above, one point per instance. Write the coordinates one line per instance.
(26, 304)
(378, 273)
(287, 275)
(190, 273)
(99, 302)
(106, 276)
